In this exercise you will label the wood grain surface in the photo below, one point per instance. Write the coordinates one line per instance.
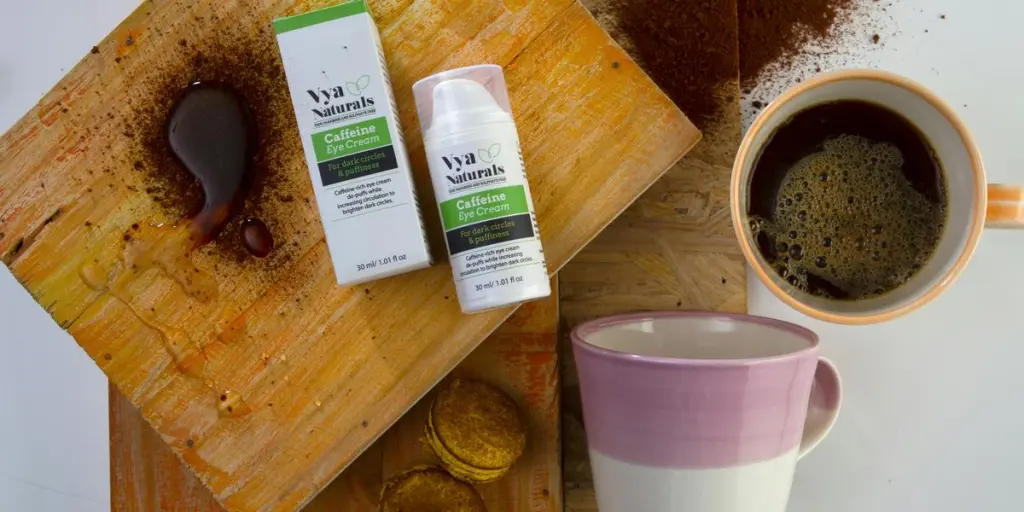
(274, 384)
(674, 248)
(521, 357)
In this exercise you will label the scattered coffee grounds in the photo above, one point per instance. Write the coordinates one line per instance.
(245, 61)
(688, 47)
(774, 31)
(211, 133)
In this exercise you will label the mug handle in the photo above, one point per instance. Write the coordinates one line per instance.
(1005, 207)
(823, 406)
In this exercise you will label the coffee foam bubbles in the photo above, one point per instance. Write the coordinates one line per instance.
(847, 223)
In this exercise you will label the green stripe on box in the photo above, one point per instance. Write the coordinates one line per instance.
(349, 139)
(282, 25)
(492, 204)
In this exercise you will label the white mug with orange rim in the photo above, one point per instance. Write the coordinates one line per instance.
(972, 203)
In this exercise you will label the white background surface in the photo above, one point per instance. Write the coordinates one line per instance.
(933, 415)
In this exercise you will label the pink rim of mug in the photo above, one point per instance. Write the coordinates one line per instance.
(585, 329)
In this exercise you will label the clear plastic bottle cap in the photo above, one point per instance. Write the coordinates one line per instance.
(461, 99)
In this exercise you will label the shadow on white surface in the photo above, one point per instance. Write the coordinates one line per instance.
(929, 420)
(17, 496)
(53, 400)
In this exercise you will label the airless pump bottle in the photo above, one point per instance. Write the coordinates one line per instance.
(479, 179)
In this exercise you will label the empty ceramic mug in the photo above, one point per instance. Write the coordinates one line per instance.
(700, 412)
(972, 203)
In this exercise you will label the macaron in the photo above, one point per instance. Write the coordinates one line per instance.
(429, 489)
(476, 430)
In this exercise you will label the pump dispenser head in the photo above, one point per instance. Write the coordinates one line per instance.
(462, 99)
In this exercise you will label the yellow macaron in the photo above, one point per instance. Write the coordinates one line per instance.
(476, 430)
(429, 489)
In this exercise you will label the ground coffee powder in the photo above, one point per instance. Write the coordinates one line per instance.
(245, 59)
(773, 31)
(692, 47)
(688, 47)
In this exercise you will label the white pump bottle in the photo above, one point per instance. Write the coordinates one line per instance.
(479, 178)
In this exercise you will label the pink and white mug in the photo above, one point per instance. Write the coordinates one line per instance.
(700, 412)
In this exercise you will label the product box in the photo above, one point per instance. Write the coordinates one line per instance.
(348, 121)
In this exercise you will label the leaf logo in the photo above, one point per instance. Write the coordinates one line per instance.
(490, 154)
(356, 88)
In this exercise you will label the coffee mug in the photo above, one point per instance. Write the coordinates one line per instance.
(972, 203)
(700, 412)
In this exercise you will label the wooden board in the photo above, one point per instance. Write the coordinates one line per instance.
(673, 249)
(521, 357)
(293, 376)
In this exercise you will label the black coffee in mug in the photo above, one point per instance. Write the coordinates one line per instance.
(847, 200)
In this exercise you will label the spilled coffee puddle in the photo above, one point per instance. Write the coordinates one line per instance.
(210, 127)
(165, 249)
(210, 131)
(213, 136)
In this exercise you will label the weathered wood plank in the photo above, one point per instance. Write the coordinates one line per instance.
(521, 357)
